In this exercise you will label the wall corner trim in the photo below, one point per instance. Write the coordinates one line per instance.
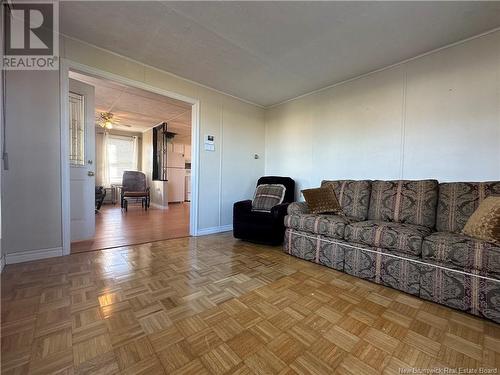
(2, 263)
(213, 230)
(26, 256)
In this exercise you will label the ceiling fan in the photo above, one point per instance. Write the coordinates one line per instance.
(105, 120)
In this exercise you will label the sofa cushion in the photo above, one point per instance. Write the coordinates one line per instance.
(484, 223)
(322, 200)
(404, 201)
(353, 196)
(327, 225)
(458, 201)
(298, 208)
(403, 238)
(463, 252)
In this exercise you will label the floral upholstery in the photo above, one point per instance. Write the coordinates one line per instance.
(471, 291)
(381, 267)
(403, 238)
(353, 196)
(298, 208)
(404, 201)
(329, 225)
(314, 248)
(399, 246)
(459, 200)
(461, 251)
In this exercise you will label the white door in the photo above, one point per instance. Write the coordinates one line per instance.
(82, 158)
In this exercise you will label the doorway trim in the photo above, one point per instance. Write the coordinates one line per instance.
(65, 66)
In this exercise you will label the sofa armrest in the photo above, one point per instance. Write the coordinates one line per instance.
(242, 207)
(298, 208)
(280, 210)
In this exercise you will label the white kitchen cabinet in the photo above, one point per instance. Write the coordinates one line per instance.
(179, 148)
(176, 185)
(187, 153)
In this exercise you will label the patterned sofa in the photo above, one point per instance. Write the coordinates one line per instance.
(406, 235)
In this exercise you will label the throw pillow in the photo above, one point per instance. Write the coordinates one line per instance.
(322, 200)
(484, 223)
(267, 196)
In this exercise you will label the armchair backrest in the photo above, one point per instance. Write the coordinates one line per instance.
(286, 181)
(134, 181)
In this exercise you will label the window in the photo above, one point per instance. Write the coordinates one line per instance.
(121, 156)
(76, 129)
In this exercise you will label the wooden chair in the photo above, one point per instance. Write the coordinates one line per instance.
(134, 185)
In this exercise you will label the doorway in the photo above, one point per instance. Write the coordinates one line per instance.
(125, 116)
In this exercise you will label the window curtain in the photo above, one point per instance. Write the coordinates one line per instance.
(122, 154)
(114, 154)
(104, 164)
(136, 153)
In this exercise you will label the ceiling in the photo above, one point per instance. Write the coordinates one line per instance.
(268, 52)
(138, 110)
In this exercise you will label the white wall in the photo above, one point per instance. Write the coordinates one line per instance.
(31, 207)
(216, 118)
(437, 116)
(32, 185)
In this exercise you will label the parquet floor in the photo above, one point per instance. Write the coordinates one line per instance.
(115, 227)
(213, 305)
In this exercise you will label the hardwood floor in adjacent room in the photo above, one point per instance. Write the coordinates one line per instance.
(214, 305)
(115, 227)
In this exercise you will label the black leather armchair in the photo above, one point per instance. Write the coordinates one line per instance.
(263, 227)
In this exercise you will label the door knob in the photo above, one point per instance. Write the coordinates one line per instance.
(90, 173)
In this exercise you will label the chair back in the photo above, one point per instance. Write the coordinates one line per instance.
(134, 181)
(286, 181)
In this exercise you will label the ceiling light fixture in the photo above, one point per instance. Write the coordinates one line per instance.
(104, 120)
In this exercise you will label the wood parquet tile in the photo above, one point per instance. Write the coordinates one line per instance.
(214, 305)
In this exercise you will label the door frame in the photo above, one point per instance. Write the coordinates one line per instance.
(65, 66)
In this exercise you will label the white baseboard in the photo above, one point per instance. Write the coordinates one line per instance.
(2, 263)
(212, 230)
(26, 256)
